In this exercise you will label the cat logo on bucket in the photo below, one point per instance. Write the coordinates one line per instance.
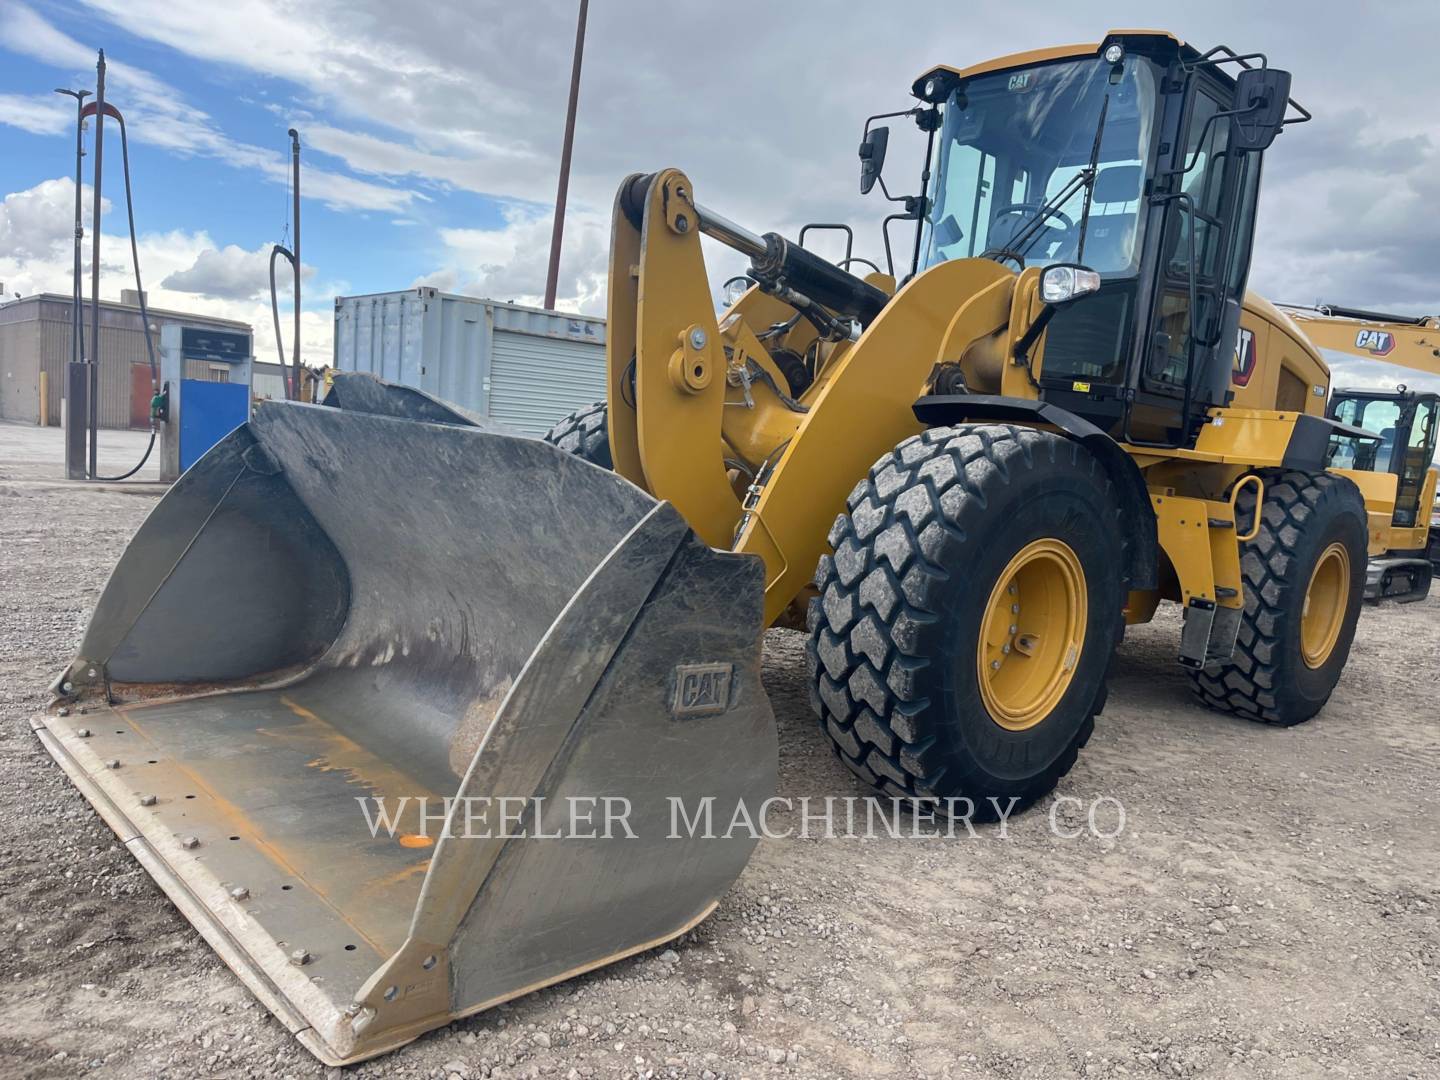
(1375, 342)
(701, 690)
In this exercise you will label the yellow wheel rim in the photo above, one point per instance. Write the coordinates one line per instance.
(1032, 634)
(1325, 601)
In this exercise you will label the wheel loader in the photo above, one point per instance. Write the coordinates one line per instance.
(965, 475)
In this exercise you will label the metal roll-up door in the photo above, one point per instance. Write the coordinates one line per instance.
(536, 381)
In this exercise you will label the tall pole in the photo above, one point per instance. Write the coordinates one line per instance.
(95, 269)
(74, 387)
(552, 278)
(76, 318)
(295, 262)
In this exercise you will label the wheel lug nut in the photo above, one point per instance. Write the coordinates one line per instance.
(1013, 628)
(1005, 649)
(994, 665)
(1014, 609)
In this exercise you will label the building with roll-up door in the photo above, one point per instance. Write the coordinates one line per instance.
(35, 337)
(526, 368)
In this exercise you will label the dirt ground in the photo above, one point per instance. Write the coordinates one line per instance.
(1270, 909)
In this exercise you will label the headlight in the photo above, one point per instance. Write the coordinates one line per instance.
(1065, 282)
(1114, 53)
(734, 289)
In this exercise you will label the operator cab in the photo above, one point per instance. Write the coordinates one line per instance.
(1408, 425)
(1138, 159)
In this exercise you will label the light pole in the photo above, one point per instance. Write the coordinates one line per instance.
(553, 275)
(94, 402)
(75, 318)
(295, 213)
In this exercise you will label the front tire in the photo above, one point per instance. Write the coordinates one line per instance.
(586, 434)
(1304, 580)
(921, 679)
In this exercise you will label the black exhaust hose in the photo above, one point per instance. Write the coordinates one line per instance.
(788, 264)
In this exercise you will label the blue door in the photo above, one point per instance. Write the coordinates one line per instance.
(208, 412)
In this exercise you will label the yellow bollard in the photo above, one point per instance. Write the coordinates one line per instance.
(44, 399)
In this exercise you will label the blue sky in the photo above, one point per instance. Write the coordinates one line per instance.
(209, 161)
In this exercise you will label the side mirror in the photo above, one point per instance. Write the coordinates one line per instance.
(1261, 97)
(872, 157)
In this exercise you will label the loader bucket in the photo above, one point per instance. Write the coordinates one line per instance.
(524, 662)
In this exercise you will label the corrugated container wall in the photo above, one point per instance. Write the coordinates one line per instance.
(524, 367)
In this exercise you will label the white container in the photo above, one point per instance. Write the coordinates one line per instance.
(523, 367)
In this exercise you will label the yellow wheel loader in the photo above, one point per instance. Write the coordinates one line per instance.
(410, 715)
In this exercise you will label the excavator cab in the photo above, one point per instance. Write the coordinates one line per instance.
(1408, 425)
(1138, 164)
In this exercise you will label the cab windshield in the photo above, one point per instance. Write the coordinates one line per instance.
(1013, 140)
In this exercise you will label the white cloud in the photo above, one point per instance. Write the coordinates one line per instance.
(37, 221)
(37, 114)
(158, 114)
(493, 170)
(36, 231)
(1352, 371)
(472, 97)
(510, 262)
(233, 273)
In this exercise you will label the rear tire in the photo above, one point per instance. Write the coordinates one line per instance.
(1307, 520)
(586, 434)
(900, 635)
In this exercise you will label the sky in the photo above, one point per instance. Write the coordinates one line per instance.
(431, 137)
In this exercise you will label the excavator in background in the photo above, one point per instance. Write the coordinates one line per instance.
(1397, 472)
(966, 473)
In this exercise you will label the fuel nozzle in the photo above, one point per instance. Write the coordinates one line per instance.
(160, 405)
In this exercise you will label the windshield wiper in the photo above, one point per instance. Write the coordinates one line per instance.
(1019, 246)
(1021, 243)
(1092, 172)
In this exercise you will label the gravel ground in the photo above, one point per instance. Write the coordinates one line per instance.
(1269, 909)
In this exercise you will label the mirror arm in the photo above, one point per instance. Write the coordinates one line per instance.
(922, 210)
(1021, 352)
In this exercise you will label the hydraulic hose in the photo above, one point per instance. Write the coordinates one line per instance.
(275, 253)
(144, 312)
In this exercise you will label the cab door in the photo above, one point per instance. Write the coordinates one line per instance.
(1413, 459)
(1204, 261)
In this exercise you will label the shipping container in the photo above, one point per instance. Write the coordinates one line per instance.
(524, 367)
(268, 380)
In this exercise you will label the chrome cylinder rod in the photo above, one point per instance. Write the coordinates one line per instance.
(731, 235)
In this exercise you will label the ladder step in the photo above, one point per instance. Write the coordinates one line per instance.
(1221, 523)
(1223, 592)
